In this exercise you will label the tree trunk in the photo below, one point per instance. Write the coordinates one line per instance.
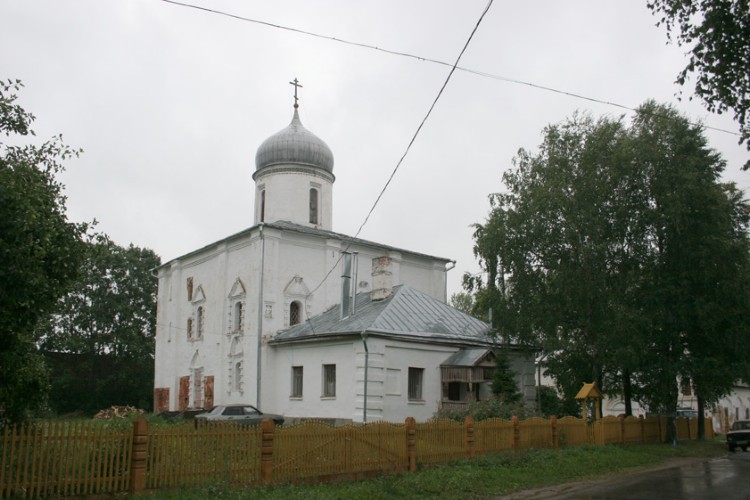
(627, 393)
(701, 418)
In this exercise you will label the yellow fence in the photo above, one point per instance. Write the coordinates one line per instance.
(65, 459)
(79, 459)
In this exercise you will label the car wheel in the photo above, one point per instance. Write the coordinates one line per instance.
(744, 448)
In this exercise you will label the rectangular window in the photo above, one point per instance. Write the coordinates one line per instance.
(296, 381)
(415, 383)
(329, 381)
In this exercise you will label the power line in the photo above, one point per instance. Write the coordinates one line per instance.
(406, 151)
(424, 59)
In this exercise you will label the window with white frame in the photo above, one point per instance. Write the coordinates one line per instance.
(295, 313)
(237, 317)
(416, 376)
(238, 376)
(200, 320)
(314, 206)
(297, 381)
(329, 381)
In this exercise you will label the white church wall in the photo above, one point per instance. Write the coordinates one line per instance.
(313, 402)
(214, 270)
(288, 198)
(399, 357)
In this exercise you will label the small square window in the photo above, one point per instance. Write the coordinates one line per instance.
(329, 381)
(296, 382)
(415, 383)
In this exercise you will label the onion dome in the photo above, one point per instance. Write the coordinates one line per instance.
(294, 145)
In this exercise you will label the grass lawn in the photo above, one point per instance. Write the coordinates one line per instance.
(482, 477)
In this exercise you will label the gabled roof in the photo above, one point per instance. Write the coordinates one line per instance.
(298, 228)
(467, 357)
(407, 314)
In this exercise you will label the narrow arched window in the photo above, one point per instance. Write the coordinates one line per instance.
(238, 376)
(199, 320)
(294, 313)
(313, 206)
(263, 205)
(237, 316)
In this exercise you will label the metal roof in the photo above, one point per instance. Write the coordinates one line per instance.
(406, 313)
(466, 357)
(294, 145)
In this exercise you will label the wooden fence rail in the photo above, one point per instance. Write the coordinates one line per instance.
(93, 458)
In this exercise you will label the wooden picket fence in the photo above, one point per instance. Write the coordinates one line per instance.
(93, 458)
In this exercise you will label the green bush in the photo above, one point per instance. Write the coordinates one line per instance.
(482, 410)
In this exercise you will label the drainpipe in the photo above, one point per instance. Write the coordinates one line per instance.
(260, 314)
(445, 292)
(367, 362)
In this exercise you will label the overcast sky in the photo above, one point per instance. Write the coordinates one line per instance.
(170, 104)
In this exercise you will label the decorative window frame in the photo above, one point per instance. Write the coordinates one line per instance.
(236, 355)
(197, 379)
(296, 291)
(197, 320)
(237, 295)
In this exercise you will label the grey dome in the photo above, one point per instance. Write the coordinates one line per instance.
(295, 144)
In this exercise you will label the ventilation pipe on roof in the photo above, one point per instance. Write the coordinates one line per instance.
(346, 285)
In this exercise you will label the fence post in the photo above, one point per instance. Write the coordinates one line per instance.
(555, 436)
(266, 451)
(138, 456)
(516, 433)
(469, 426)
(642, 421)
(411, 443)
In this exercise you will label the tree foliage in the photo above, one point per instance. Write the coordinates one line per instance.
(718, 34)
(39, 253)
(504, 385)
(100, 339)
(617, 250)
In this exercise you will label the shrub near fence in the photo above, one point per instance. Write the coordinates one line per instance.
(63, 459)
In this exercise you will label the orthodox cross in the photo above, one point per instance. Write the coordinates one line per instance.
(296, 86)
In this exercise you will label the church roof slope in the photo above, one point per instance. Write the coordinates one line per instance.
(290, 226)
(407, 314)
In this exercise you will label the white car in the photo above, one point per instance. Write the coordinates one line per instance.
(245, 414)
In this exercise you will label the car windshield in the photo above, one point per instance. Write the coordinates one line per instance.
(741, 426)
(216, 410)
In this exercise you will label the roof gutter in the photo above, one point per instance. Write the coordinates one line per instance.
(260, 316)
(367, 363)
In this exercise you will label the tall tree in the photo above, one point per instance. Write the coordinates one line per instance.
(620, 254)
(558, 252)
(39, 254)
(718, 34)
(100, 341)
(695, 275)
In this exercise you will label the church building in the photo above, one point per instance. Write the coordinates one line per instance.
(296, 319)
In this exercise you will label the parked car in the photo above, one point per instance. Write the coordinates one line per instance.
(245, 414)
(686, 413)
(739, 435)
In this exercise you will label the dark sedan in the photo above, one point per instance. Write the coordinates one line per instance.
(243, 414)
(739, 435)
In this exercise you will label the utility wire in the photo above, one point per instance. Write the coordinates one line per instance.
(424, 59)
(454, 66)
